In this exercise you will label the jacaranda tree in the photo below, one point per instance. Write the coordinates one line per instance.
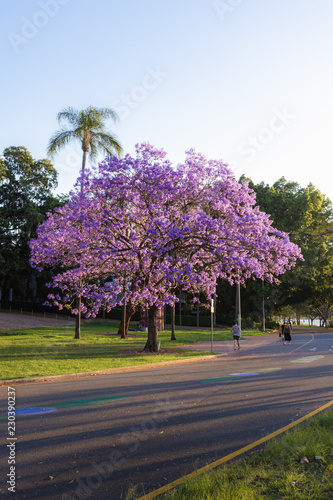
(140, 230)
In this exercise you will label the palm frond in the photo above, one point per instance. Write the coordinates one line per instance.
(60, 139)
(110, 143)
(93, 150)
(69, 114)
(107, 113)
(88, 128)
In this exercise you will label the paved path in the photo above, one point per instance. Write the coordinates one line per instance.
(17, 321)
(248, 343)
(227, 347)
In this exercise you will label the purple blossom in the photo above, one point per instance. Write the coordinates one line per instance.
(157, 228)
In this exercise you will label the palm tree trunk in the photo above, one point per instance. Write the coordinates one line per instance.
(78, 298)
(84, 160)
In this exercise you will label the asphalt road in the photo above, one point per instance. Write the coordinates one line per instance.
(97, 437)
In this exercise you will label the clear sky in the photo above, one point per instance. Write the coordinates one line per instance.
(246, 81)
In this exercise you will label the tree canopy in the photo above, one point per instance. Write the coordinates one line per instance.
(26, 188)
(139, 229)
(307, 215)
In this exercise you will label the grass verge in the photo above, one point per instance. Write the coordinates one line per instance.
(276, 472)
(39, 352)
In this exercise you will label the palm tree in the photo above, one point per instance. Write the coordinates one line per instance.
(87, 126)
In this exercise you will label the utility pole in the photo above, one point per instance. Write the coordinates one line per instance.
(238, 306)
(263, 306)
(212, 321)
(124, 313)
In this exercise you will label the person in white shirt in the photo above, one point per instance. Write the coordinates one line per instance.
(237, 335)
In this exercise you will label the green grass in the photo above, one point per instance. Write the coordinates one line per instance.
(274, 472)
(38, 352)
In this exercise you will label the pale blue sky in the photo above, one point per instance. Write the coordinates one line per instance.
(248, 81)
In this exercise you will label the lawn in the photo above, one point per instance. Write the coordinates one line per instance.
(38, 352)
(277, 472)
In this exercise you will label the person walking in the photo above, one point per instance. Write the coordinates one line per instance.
(287, 333)
(236, 334)
(282, 330)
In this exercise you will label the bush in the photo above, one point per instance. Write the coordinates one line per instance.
(249, 324)
(271, 324)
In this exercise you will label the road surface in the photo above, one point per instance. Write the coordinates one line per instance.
(97, 437)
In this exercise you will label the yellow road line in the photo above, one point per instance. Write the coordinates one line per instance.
(208, 467)
(306, 343)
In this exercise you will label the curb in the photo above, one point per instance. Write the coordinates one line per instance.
(69, 376)
(227, 458)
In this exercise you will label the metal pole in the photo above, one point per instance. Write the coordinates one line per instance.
(263, 307)
(239, 306)
(124, 312)
(212, 322)
(215, 307)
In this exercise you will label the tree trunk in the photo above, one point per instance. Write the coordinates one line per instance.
(130, 310)
(173, 336)
(151, 344)
(78, 318)
(84, 159)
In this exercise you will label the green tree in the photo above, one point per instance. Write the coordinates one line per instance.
(307, 215)
(26, 188)
(88, 127)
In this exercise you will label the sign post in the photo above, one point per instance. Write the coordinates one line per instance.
(212, 321)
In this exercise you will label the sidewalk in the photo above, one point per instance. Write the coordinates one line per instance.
(227, 346)
(18, 321)
(250, 342)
